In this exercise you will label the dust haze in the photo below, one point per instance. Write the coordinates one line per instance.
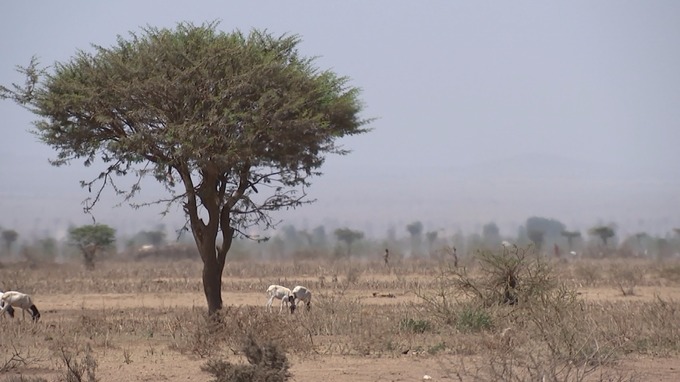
(483, 113)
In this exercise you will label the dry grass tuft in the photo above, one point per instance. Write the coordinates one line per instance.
(266, 363)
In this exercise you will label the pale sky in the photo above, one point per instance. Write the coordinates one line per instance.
(486, 111)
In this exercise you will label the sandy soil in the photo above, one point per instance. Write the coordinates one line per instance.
(151, 360)
(159, 300)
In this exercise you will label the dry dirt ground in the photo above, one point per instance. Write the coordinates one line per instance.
(151, 360)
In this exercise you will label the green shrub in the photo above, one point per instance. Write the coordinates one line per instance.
(415, 326)
(473, 320)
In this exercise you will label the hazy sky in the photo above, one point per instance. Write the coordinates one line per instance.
(486, 111)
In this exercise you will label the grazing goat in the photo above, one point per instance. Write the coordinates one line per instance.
(13, 299)
(9, 310)
(282, 293)
(303, 294)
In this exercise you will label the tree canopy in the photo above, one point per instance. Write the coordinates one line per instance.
(91, 238)
(348, 236)
(571, 235)
(551, 228)
(9, 236)
(213, 116)
(603, 232)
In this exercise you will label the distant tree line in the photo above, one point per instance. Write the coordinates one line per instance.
(414, 240)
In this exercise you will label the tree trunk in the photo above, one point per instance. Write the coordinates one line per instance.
(211, 191)
(89, 252)
(212, 286)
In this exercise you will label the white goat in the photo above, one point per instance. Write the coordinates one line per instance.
(14, 299)
(282, 293)
(9, 310)
(303, 294)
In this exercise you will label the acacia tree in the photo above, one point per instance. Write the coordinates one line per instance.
(9, 236)
(214, 116)
(348, 236)
(603, 232)
(491, 234)
(90, 239)
(415, 229)
(431, 238)
(571, 235)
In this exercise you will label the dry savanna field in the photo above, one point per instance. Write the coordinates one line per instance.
(578, 320)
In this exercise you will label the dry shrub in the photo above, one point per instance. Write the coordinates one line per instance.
(442, 300)
(574, 342)
(533, 367)
(195, 333)
(16, 357)
(670, 272)
(544, 333)
(266, 363)
(20, 342)
(77, 370)
(650, 328)
(241, 322)
(588, 273)
(205, 338)
(661, 327)
(353, 275)
(515, 276)
(626, 277)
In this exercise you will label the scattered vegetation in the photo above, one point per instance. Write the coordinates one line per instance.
(90, 239)
(518, 315)
(266, 363)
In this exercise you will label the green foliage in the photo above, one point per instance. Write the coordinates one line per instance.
(415, 326)
(90, 239)
(473, 319)
(227, 115)
(100, 235)
(603, 232)
(239, 110)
